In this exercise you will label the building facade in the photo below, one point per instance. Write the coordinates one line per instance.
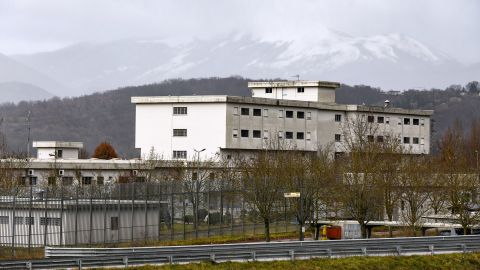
(298, 115)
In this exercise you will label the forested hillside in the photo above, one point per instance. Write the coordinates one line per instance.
(110, 115)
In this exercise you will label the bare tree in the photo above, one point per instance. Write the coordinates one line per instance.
(262, 185)
(460, 180)
(360, 192)
(414, 191)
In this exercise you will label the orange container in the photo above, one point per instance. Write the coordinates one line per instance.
(334, 232)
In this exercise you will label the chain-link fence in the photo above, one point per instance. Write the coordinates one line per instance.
(128, 213)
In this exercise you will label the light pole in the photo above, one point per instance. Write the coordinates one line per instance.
(197, 191)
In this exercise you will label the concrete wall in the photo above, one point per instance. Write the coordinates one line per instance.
(314, 94)
(205, 124)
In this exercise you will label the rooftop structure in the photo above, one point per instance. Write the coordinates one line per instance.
(316, 91)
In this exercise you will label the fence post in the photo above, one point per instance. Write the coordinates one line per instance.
(184, 226)
(105, 216)
(208, 208)
(172, 214)
(90, 227)
(364, 251)
(146, 212)
(431, 248)
(61, 213)
(76, 215)
(13, 221)
(231, 213)
(45, 224)
(118, 213)
(292, 255)
(159, 185)
(221, 206)
(399, 250)
(30, 220)
(285, 213)
(132, 184)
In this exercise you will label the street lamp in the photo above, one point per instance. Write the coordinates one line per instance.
(197, 190)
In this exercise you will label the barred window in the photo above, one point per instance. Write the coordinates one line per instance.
(257, 112)
(300, 135)
(268, 90)
(300, 115)
(179, 154)
(338, 137)
(338, 118)
(257, 134)
(179, 110)
(179, 132)
(245, 111)
(288, 135)
(50, 221)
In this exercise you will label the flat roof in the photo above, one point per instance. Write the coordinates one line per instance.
(276, 102)
(299, 83)
(57, 144)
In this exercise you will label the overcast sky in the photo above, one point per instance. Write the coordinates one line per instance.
(452, 27)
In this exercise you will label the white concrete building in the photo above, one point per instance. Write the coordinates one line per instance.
(301, 114)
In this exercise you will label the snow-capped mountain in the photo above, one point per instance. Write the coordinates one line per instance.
(390, 61)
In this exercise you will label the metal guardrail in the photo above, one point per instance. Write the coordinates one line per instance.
(99, 257)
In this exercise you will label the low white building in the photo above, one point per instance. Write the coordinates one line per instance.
(300, 114)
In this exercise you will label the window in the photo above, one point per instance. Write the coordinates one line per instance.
(4, 219)
(300, 115)
(280, 113)
(380, 119)
(67, 180)
(309, 136)
(406, 121)
(139, 179)
(87, 180)
(245, 111)
(50, 221)
(265, 112)
(415, 140)
(194, 176)
(179, 110)
(280, 134)
(268, 90)
(257, 112)
(211, 176)
(422, 141)
(289, 114)
(244, 133)
(300, 135)
(179, 154)
(370, 138)
(288, 135)
(59, 153)
(338, 118)
(235, 110)
(406, 140)
(380, 139)
(29, 221)
(415, 121)
(300, 90)
(265, 134)
(179, 132)
(18, 220)
(235, 133)
(114, 223)
(309, 115)
(422, 122)
(52, 180)
(399, 121)
(338, 137)
(257, 134)
(370, 119)
(387, 120)
(33, 180)
(100, 180)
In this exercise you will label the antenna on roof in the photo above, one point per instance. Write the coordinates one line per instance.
(296, 76)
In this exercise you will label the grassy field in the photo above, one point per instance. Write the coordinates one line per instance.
(438, 262)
